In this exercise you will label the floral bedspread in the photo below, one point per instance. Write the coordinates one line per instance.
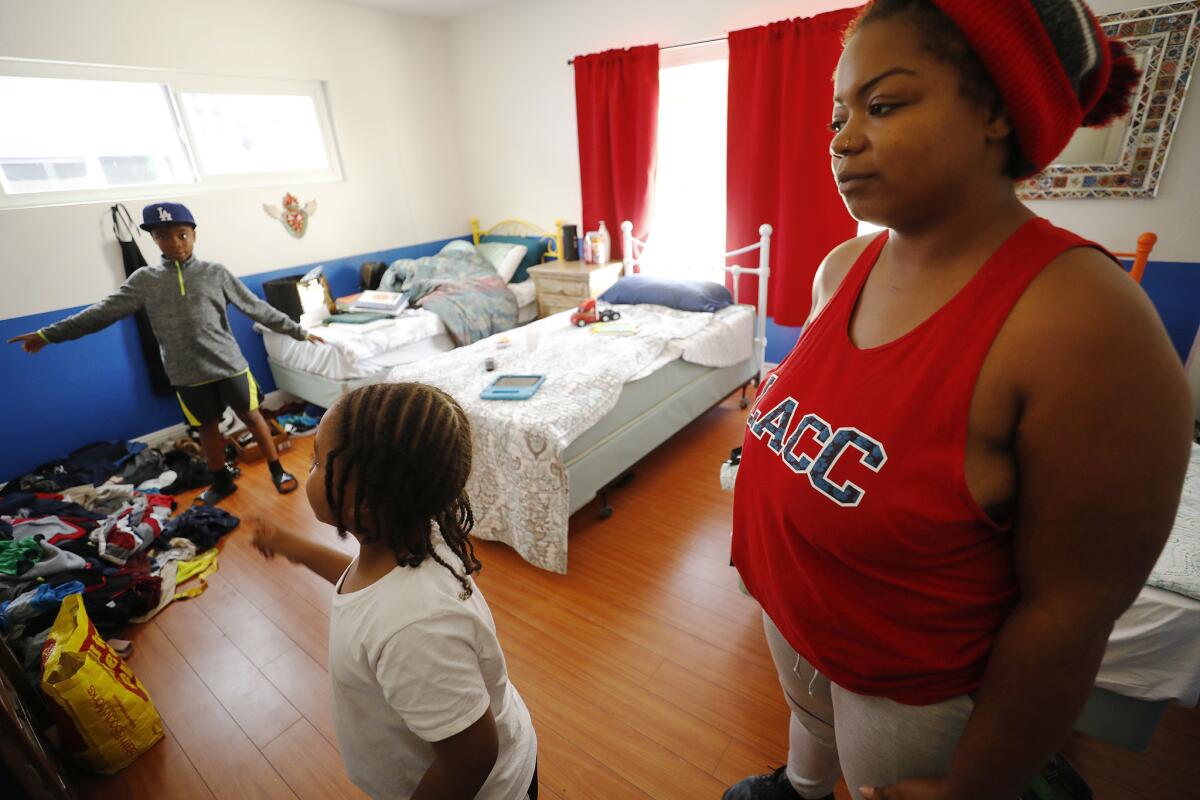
(519, 486)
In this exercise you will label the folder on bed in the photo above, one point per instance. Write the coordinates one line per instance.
(386, 302)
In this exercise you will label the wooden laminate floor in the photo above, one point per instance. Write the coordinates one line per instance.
(644, 668)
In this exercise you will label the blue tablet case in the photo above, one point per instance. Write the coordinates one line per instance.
(513, 387)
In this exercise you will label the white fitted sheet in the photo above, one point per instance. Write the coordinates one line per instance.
(356, 351)
(359, 351)
(1154, 650)
(728, 339)
(526, 294)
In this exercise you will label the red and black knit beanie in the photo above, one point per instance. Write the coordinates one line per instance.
(1052, 64)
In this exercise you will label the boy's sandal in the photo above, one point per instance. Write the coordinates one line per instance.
(214, 494)
(285, 482)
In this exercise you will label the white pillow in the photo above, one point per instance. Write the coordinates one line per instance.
(457, 244)
(503, 256)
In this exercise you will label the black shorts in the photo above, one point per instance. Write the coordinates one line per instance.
(206, 402)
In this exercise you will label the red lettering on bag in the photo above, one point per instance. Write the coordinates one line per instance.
(47, 648)
(111, 662)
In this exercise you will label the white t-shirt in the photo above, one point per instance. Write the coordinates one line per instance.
(411, 663)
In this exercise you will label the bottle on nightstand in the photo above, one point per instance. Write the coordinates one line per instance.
(605, 244)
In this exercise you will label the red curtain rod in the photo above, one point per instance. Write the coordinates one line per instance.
(571, 61)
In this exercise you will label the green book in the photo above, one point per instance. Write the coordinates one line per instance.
(356, 318)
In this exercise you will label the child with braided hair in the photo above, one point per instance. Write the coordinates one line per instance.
(422, 702)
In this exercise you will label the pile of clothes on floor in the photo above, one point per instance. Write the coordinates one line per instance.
(98, 523)
(171, 470)
(298, 419)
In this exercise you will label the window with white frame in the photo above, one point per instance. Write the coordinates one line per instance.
(73, 133)
(244, 133)
(62, 135)
(687, 238)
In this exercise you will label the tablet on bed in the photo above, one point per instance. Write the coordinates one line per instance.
(513, 387)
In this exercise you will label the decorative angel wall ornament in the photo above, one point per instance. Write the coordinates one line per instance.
(293, 217)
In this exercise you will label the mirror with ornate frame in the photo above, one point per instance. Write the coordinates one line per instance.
(1127, 158)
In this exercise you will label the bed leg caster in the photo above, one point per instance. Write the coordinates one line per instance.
(606, 509)
(743, 403)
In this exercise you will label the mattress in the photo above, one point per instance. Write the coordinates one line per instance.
(637, 397)
(526, 294)
(1154, 650)
(357, 351)
(360, 351)
(648, 412)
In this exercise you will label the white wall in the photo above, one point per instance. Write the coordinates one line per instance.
(517, 96)
(391, 95)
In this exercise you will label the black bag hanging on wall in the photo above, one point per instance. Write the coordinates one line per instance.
(131, 256)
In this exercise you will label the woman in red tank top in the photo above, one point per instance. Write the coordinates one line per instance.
(966, 468)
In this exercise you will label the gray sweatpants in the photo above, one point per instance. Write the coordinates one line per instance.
(873, 741)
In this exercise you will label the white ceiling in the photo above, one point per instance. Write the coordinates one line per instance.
(443, 9)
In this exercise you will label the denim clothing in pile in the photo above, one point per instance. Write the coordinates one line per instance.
(204, 525)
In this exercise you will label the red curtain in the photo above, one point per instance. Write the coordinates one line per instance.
(780, 104)
(616, 104)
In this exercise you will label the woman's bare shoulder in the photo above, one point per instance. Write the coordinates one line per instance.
(1083, 307)
(834, 268)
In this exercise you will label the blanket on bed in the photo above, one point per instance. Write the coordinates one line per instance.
(1178, 568)
(459, 286)
(518, 484)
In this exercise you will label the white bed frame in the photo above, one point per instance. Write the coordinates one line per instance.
(594, 468)
(631, 254)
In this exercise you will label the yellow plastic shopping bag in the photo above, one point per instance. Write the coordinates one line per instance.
(105, 716)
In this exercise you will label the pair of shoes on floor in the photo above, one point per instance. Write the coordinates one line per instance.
(284, 482)
(215, 494)
(772, 786)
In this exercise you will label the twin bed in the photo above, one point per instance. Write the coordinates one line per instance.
(355, 355)
(607, 401)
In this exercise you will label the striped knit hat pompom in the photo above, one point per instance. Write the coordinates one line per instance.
(1054, 66)
(1116, 99)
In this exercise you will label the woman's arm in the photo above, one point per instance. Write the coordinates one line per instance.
(328, 562)
(461, 763)
(1101, 446)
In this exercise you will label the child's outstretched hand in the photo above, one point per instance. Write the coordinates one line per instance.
(312, 337)
(30, 342)
(269, 539)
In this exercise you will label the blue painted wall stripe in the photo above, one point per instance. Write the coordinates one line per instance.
(97, 387)
(1173, 287)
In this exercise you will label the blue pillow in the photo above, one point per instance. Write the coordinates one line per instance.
(683, 295)
(535, 248)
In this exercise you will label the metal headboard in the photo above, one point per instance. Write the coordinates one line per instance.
(632, 253)
(520, 227)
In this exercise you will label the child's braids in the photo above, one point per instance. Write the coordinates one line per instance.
(407, 449)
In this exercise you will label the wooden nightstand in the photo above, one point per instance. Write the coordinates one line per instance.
(563, 285)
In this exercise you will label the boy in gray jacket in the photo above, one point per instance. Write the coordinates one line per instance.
(186, 300)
